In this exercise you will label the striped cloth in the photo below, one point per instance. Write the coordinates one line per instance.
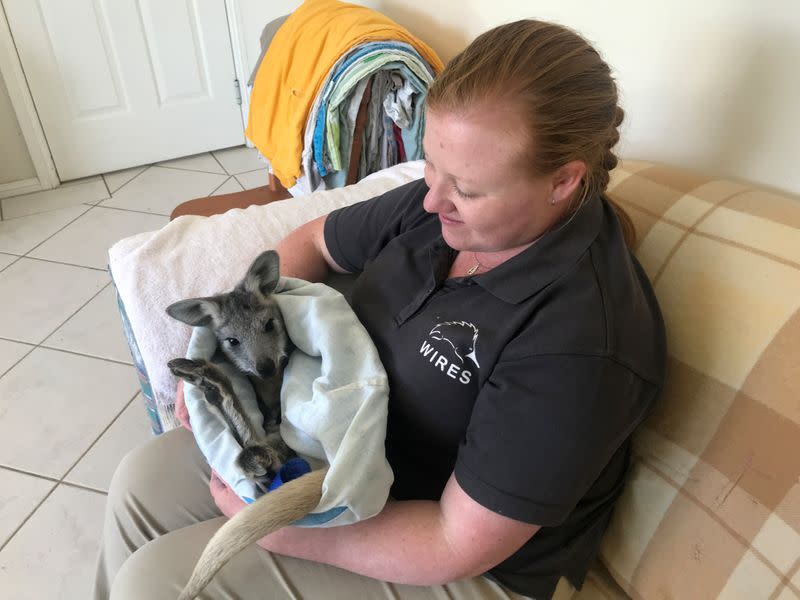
(713, 506)
(302, 52)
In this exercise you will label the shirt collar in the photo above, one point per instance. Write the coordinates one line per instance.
(522, 276)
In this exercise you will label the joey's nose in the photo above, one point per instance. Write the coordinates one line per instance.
(266, 368)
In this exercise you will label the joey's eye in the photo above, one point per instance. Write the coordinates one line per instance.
(269, 325)
(232, 341)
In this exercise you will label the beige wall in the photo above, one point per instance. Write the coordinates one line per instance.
(15, 162)
(708, 85)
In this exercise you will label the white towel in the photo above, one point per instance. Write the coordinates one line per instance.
(201, 256)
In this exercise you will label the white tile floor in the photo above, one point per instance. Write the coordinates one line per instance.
(69, 402)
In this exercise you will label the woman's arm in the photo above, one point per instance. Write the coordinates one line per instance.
(412, 542)
(304, 254)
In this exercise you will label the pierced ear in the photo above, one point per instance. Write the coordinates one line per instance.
(263, 275)
(197, 312)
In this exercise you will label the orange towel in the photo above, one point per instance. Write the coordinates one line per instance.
(298, 60)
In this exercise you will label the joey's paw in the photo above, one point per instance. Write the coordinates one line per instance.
(187, 369)
(274, 441)
(202, 374)
(259, 463)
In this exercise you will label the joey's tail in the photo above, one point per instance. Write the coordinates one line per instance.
(283, 506)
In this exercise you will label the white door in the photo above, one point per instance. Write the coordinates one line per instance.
(120, 83)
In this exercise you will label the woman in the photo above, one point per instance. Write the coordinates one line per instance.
(523, 345)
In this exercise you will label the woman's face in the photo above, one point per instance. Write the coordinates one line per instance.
(485, 199)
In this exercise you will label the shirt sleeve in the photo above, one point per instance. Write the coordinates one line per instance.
(355, 234)
(543, 429)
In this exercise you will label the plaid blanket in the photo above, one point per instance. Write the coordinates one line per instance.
(713, 506)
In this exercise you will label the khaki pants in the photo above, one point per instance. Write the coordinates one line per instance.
(160, 515)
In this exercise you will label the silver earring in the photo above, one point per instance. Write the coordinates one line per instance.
(552, 201)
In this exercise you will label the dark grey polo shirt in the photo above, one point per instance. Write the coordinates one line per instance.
(527, 381)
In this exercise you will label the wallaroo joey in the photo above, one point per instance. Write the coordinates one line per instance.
(251, 334)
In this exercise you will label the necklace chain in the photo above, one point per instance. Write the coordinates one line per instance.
(478, 264)
(473, 268)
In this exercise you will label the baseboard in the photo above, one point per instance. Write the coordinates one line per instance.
(23, 186)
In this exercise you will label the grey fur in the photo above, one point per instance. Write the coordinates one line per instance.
(250, 316)
(252, 335)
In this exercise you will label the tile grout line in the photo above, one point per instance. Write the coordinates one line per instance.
(8, 339)
(214, 156)
(63, 186)
(58, 262)
(30, 514)
(58, 231)
(56, 349)
(21, 358)
(29, 473)
(220, 185)
(108, 189)
(83, 354)
(46, 211)
(133, 210)
(191, 170)
(146, 167)
(59, 326)
(61, 481)
(250, 171)
(64, 322)
(16, 260)
(81, 486)
(239, 181)
(39, 345)
(102, 177)
(101, 434)
(46, 337)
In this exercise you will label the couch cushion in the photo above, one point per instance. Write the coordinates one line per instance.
(713, 507)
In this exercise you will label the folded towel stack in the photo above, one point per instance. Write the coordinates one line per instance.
(338, 95)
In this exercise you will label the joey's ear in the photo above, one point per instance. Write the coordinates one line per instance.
(262, 276)
(196, 312)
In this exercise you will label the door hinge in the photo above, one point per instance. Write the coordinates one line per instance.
(237, 91)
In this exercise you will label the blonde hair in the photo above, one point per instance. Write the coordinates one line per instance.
(561, 86)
